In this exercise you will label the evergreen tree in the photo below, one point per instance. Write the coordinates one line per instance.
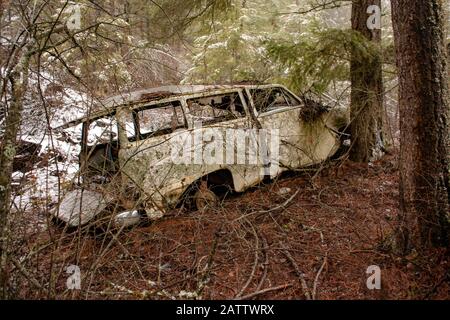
(424, 107)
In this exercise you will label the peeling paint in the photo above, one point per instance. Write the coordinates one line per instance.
(147, 164)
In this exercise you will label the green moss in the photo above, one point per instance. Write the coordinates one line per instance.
(9, 152)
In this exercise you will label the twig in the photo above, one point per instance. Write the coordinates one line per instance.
(205, 278)
(299, 273)
(265, 263)
(25, 273)
(260, 212)
(255, 264)
(325, 259)
(256, 293)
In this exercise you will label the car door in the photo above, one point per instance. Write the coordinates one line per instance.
(222, 121)
(301, 142)
(277, 111)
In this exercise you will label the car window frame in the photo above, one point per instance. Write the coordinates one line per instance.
(284, 90)
(85, 130)
(155, 105)
(240, 93)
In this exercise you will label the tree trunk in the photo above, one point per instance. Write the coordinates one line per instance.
(366, 108)
(424, 105)
(19, 81)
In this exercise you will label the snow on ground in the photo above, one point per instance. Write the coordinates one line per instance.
(41, 187)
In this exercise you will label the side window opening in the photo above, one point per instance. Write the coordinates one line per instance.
(217, 108)
(99, 153)
(103, 130)
(290, 99)
(272, 98)
(129, 122)
(160, 119)
(246, 97)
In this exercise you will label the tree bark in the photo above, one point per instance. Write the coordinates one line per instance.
(424, 106)
(366, 108)
(19, 81)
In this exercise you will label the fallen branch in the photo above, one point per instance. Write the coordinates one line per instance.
(256, 293)
(25, 273)
(260, 212)
(265, 264)
(318, 275)
(255, 264)
(299, 273)
(205, 279)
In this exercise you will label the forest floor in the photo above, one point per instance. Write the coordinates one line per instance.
(305, 235)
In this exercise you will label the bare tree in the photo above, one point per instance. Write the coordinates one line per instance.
(100, 55)
(424, 106)
(15, 77)
(35, 33)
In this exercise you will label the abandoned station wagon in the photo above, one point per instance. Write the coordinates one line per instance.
(148, 151)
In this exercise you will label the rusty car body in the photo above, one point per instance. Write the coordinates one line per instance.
(127, 147)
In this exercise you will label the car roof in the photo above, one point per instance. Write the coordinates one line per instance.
(109, 105)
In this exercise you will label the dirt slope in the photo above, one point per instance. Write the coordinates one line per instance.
(313, 240)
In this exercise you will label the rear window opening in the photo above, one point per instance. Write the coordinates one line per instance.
(270, 99)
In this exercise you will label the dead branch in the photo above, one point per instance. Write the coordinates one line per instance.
(300, 274)
(255, 264)
(260, 212)
(314, 290)
(206, 275)
(265, 263)
(256, 293)
(25, 273)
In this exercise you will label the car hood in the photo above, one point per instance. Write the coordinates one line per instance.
(79, 206)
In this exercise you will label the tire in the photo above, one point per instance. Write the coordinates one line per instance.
(205, 198)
